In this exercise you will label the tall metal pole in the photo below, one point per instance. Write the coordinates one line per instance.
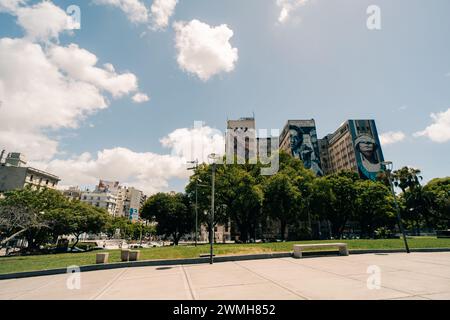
(399, 217)
(196, 199)
(196, 211)
(389, 166)
(212, 215)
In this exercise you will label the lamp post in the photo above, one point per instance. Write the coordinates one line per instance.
(213, 161)
(196, 199)
(388, 169)
(197, 180)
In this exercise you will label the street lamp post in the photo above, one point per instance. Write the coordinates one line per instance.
(389, 167)
(196, 199)
(213, 159)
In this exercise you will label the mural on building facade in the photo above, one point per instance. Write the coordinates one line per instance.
(369, 155)
(305, 146)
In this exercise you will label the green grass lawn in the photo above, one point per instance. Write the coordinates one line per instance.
(44, 262)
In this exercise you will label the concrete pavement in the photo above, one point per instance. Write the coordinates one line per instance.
(402, 276)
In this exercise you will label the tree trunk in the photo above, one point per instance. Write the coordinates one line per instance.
(283, 225)
(76, 242)
(4, 241)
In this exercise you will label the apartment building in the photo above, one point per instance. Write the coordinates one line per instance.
(14, 174)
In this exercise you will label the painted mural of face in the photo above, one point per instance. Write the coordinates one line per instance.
(367, 146)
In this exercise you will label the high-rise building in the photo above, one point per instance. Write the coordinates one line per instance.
(299, 138)
(101, 199)
(14, 174)
(241, 138)
(354, 146)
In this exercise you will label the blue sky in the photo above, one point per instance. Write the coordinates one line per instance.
(321, 63)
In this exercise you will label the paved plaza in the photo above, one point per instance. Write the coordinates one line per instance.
(414, 276)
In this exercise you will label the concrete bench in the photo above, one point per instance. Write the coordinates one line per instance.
(124, 255)
(134, 255)
(299, 248)
(102, 258)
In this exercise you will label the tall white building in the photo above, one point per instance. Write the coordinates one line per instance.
(101, 199)
(118, 200)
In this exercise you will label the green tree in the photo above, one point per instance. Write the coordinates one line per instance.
(172, 212)
(30, 207)
(374, 207)
(334, 199)
(76, 218)
(282, 201)
(438, 190)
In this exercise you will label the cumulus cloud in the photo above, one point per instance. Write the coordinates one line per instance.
(35, 95)
(287, 7)
(80, 64)
(392, 137)
(204, 50)
(197, 143)
(439, 131)
(10, 6)
(150, 172)
(43, 21)
(140, 98)
(161, 11)
(54, 88)
(135, 10)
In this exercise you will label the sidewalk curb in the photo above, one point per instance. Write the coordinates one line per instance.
(193, 261)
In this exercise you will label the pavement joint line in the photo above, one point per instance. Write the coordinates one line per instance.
(187, 281)
(347, 277)
(273, 282)
(234, 285)
(51, 281)
(109, 284)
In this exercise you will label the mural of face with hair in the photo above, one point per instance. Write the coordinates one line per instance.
(303, 148)
(367, 148)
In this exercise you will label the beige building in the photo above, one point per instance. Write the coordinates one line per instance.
(355, 146)
(14, 174)
(241, 138)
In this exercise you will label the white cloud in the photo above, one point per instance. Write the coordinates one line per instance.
(197, 143)
(148, 171)
(54, 89)
(161, 12)
(287, 7)
(135, 10)
(35, 95)
(204, 50)
(10, 6)
(439, 131)
(80, 64)
(43, 21)
(140, 98)
(392, 137)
